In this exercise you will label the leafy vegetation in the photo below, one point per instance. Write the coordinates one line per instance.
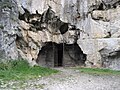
(98, 71)
(20, 70)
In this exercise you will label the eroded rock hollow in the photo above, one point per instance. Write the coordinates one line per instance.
(55, 55)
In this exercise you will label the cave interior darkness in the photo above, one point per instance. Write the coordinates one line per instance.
(61, 55)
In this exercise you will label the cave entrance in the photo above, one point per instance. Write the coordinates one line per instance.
(58, 55)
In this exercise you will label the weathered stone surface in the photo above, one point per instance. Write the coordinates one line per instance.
(93, 24)
(24, 25)
(99, 50)
(30, 42)
(97, 23)
(8, 27)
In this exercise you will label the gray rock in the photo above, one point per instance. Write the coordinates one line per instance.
(8, 19)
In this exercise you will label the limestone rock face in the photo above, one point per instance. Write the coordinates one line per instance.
(8, 29)
(93, 24)
(98, 24)
(30, 39)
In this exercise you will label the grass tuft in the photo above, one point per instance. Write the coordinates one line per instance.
(20, 70)
(98, 71)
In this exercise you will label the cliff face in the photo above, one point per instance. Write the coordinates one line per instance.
(92, 24)
(8, 29)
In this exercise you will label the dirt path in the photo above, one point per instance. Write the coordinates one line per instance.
(70, 79)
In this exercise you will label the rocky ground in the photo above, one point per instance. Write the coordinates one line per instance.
(67, 79)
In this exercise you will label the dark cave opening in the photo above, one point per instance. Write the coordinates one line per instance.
(63, 28)
(58, 55)
(101, 7)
